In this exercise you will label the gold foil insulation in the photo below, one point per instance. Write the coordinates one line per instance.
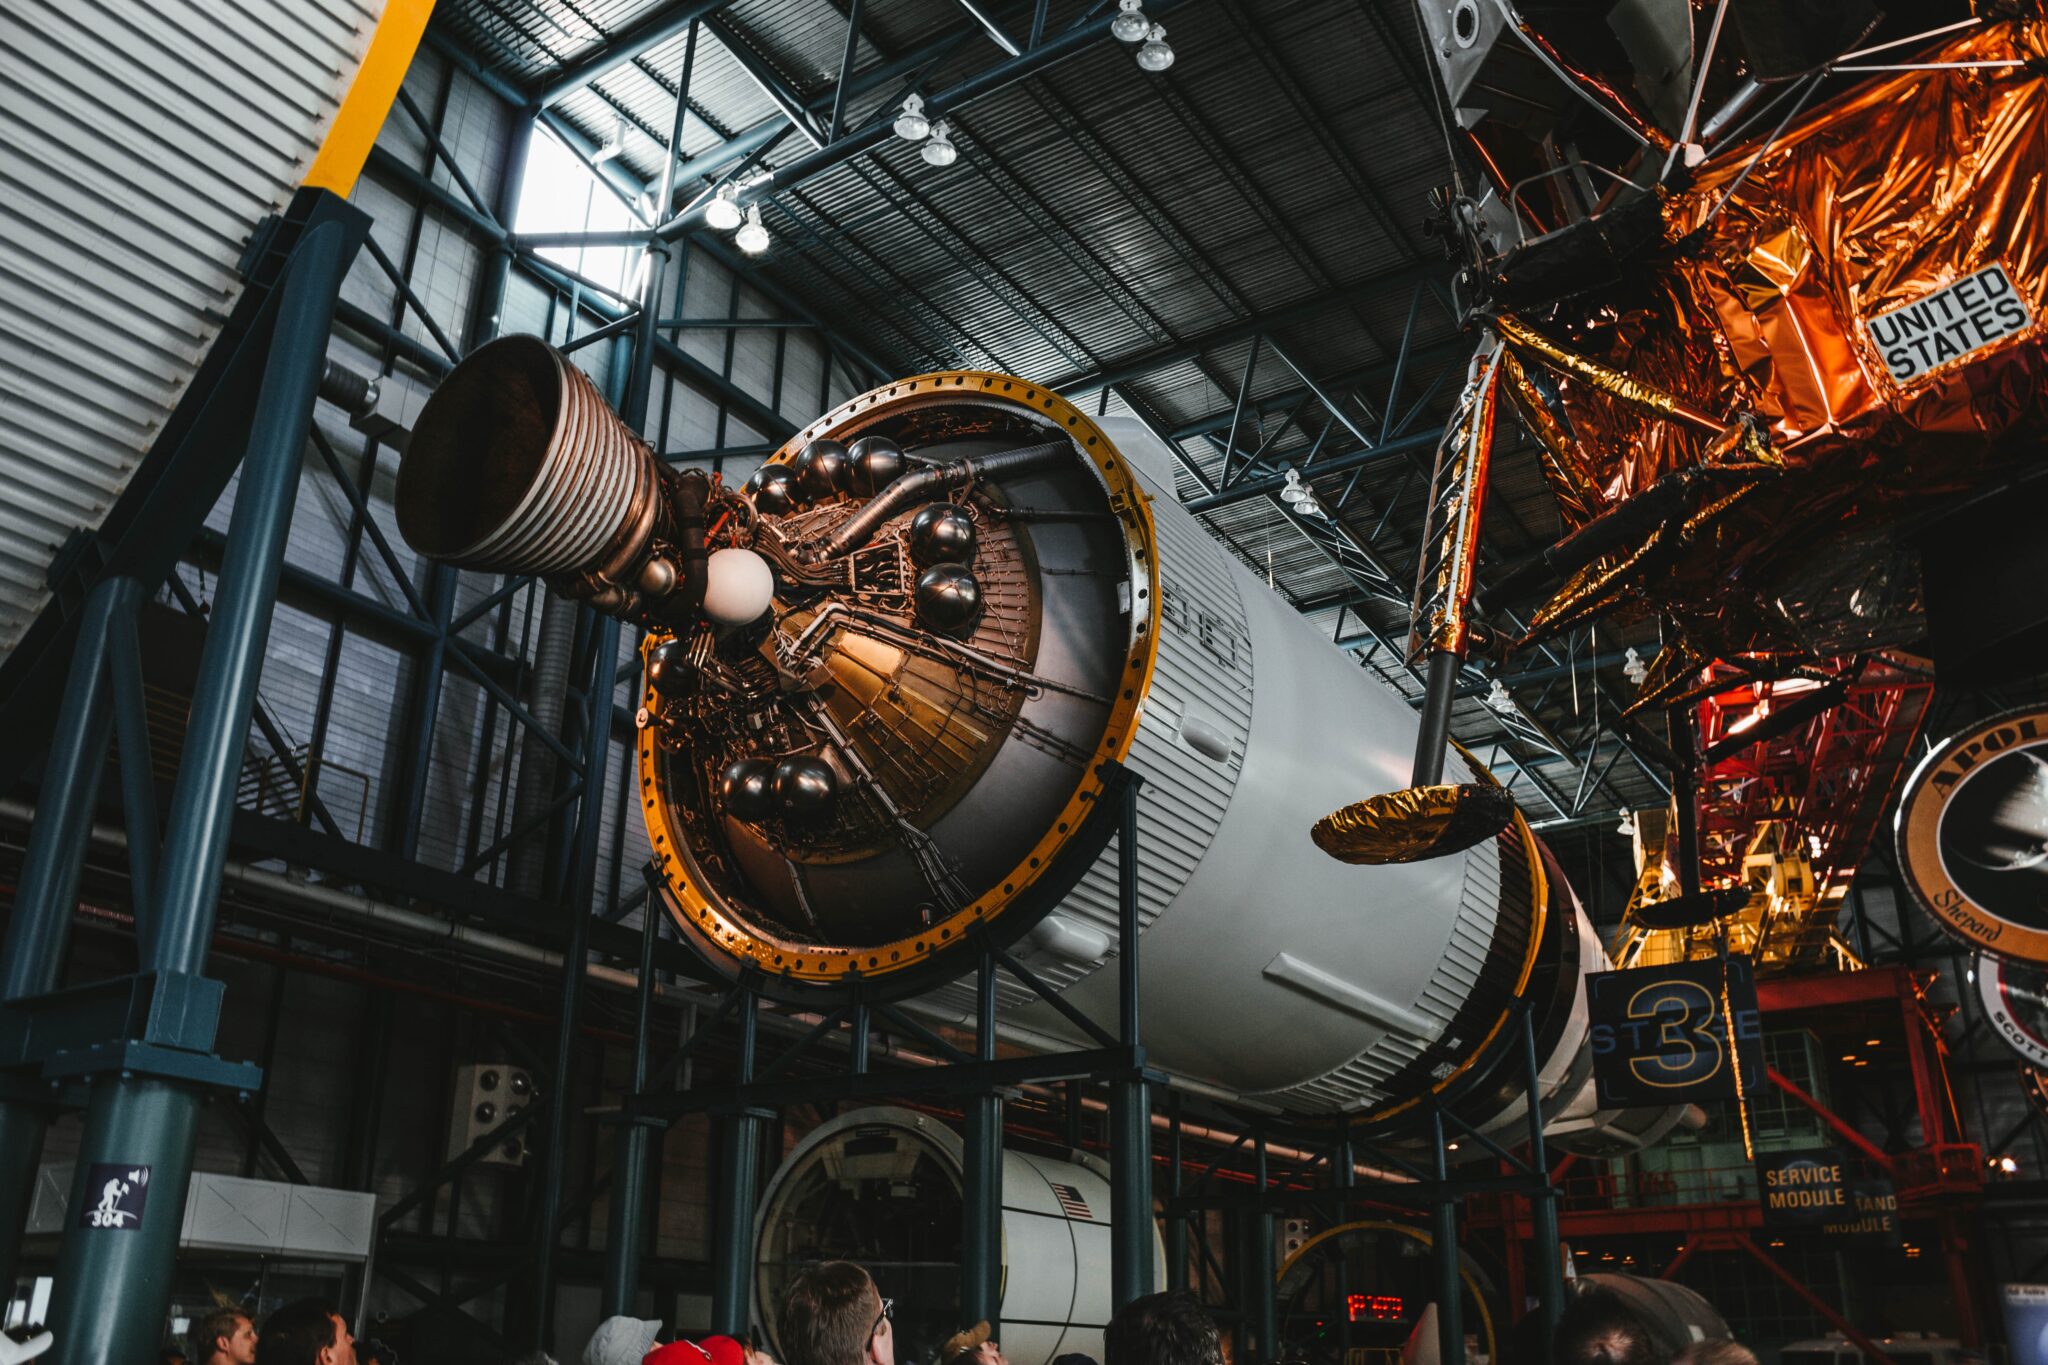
(1747, 340)
(1441, 615)
(1415, 823)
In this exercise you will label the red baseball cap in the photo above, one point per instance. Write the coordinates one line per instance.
(709, 1351)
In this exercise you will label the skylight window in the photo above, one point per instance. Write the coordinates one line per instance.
(559, 194)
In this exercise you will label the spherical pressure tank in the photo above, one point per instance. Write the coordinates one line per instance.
(883, 1187)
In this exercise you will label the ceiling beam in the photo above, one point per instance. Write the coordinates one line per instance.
(647, 32)
(1150, 362)
(1452, 351)
(1329, 464)
(983, 83)
(749, 140)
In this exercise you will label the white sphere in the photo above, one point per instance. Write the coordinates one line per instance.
(739, 587)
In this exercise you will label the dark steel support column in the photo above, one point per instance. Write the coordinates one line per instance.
(113, 1284)
(981, 1216)
(1443, 1229)
(138, 782)
(47, 893)
(1543, 1203)
(1259, 1262)
(422, 710)
(1176, 1219)
(1130, 1099)
(580, 888)
(629, 1167)
(739, 1158)
(561, 1109)
(1436, 718)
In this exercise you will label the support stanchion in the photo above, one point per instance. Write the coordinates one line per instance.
(47, 891)
(1443, 1220)
(113, 1279)
(1543, 1200)
(1176, 1218)
(981, 1222)
(1130, 1101)
(739, 1161)
(1261, 1292)
(623, 1234)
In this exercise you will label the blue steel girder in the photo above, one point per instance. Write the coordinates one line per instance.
(940, 103)
(649, 31)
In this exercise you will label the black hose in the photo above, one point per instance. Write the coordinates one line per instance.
(691, 491)
(858, 529)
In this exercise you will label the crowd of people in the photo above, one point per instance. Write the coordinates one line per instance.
(833, 1314)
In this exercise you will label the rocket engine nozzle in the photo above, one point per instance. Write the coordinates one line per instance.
(518, 465)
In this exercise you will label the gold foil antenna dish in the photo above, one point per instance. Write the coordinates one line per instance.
(1414, 823)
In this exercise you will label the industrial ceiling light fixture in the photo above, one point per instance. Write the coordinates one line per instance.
(938, 148)
(1301, 498)
(615, 147)
(911, 124)
(752, 237)
(1130, 24)
(1155, 56)
(723, 212)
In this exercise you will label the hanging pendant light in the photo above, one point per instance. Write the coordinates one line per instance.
(1155, 55)
(938, 148)
(1130, 24)
(723, 212)
(911, 124)
(752, 237)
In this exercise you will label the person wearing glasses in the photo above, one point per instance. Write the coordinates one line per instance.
(832, 1314)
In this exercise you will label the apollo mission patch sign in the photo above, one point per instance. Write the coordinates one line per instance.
(1973, 835)
(2015, 1000)
(1953, 323)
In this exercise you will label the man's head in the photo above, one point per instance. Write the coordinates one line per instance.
(972, 1346)
(226, 1336)
(833, 1315)
(1597, 1328)
(309, 1332)
(1162, 1329)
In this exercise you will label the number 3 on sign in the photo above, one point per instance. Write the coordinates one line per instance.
(1688, 1051)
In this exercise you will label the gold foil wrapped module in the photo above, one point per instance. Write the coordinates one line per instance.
(1761, 304)
(1415, 823)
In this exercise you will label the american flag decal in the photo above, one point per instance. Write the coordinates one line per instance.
(1071, 1200)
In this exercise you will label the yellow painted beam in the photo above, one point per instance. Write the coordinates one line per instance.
(363, 109)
